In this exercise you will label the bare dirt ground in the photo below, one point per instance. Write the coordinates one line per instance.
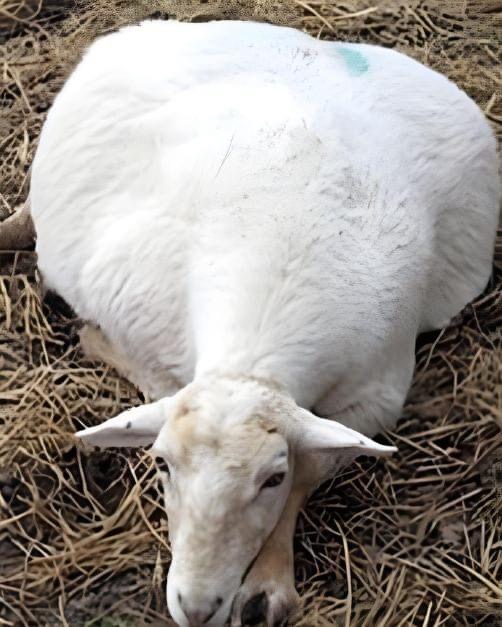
(414, 540)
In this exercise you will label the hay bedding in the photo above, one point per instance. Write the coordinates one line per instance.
(415, 540)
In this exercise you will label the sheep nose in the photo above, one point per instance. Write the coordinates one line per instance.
(199, 612)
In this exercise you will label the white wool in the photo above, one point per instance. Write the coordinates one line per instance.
(242, 199)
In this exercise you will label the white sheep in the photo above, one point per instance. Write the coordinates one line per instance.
(256, 226)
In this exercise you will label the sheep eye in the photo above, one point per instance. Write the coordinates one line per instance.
(274, 480)
(162, 465)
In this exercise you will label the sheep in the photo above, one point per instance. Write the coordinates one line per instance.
(255, 226)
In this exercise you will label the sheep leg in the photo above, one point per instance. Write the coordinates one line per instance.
(17, 231)
(96, 345)
(269, 588)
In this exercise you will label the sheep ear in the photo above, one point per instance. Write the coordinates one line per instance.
(319, 433)
(138, 426)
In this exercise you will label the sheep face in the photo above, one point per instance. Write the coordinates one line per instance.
(227, 452)
(224, 491)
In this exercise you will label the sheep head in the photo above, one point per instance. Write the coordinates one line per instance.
(228, 450)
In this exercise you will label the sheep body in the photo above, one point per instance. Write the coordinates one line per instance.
(255, 224)
(243, 198)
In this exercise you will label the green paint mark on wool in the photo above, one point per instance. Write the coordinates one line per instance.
(356, 62)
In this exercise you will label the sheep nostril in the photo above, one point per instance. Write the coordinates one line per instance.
(195, 612)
